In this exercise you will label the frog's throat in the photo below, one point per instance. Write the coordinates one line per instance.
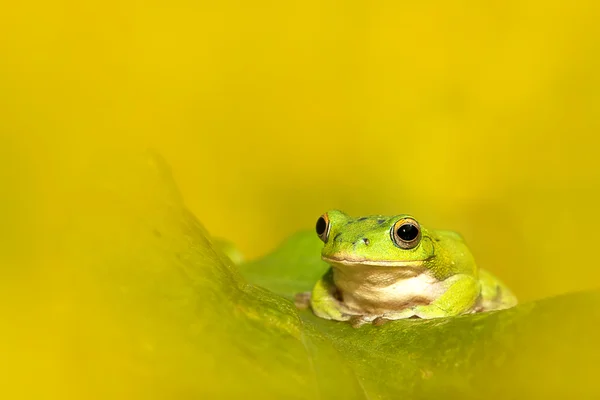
(416, 264)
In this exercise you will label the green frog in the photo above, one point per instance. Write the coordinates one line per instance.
(390, 267)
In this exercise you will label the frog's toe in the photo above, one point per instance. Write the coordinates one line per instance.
(302, 300)
(380, 321)
(357, 321)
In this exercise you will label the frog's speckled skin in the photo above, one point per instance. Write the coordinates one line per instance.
(372, 278)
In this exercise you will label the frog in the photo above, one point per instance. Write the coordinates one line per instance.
(385, 268)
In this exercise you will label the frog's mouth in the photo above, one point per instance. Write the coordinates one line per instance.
(416, 264)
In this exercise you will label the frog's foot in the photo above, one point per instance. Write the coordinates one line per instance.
(302, 300)
(501, 299)
(495, 295)
(359, 320)
(380, 321)
(478, 307)
(422, 312)
(356, 321)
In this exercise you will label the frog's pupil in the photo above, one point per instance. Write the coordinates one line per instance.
(408, 232)
(321, 226)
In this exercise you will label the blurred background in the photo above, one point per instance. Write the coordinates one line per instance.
(477, 117)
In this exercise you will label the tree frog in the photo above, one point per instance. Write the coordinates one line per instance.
(390, 267)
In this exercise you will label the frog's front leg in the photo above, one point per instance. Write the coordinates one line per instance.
(460, 296)
(323, 300)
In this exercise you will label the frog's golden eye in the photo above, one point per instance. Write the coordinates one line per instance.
(406, 233)
(323, 227)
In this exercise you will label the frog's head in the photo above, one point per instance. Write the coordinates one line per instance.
(389, 241)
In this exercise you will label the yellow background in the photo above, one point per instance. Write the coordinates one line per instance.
(478, 117)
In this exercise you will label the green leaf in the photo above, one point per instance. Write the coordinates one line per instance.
(544, 349)
(154, 310)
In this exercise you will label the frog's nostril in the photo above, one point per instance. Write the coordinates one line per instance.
(366, 241)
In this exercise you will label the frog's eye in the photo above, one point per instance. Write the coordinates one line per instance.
(323, 227)
(406, 233)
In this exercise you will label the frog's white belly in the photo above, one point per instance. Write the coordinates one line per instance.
(377, 292)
